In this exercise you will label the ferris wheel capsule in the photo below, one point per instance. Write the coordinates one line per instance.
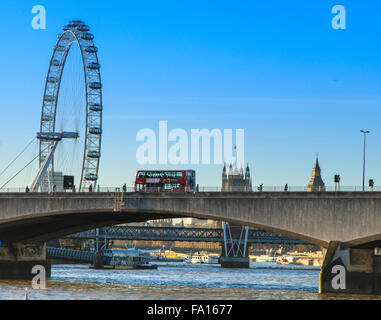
(55, 63)
(51, 79)
(49, 98)
(75, 23)
(93, 154)
(91, 177)
(46, 118)
(83, 28)
(93, 65)
(95, 107)
(95, 85)
(91, 49)
(95, 130)
(60, 48)
(87, 36)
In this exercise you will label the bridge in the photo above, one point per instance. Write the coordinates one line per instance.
(317, 218)
(160, 234)
(346, 225)
(179, 234)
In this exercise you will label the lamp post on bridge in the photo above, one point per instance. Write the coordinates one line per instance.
(363, 164)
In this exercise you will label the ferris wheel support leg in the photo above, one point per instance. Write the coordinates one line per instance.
(44, 167)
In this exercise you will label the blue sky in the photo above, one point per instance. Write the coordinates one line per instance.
(276, 69)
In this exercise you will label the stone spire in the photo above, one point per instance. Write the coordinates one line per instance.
(316, 182)
(247, 173)
(224, 174)
(230, 170)
(316, 166)
(248, 179)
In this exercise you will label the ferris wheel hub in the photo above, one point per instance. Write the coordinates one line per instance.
(57, 136)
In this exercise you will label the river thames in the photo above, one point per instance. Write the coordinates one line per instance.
(263, 281)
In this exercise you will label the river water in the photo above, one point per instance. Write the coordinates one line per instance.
(177, 281)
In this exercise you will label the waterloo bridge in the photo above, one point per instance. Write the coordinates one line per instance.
(346, 225)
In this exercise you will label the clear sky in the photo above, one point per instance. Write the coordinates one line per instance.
(276, 69)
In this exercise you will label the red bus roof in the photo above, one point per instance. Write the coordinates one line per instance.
(163, 170)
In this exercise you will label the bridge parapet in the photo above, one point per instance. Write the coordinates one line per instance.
(214, 189)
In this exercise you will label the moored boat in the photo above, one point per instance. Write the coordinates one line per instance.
(124, 259)
(266, 258)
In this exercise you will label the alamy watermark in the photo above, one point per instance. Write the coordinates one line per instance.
(39, 19)
(339, 280)
(185, 150)
(39, 280)
(339, 20)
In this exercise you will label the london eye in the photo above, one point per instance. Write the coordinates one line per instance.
(74, 33)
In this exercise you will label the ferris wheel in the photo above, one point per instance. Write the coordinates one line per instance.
(74, 33)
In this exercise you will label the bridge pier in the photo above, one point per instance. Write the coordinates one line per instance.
(234, 249)
(350, 270)
(100, 245)
(18, 259)
(98, 262)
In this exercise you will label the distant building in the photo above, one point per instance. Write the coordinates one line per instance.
(235, 181)
(316, 182)
(57, 182)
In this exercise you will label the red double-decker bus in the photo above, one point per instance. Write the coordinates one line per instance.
(165, 181)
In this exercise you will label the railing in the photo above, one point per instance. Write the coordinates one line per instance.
(219, 189)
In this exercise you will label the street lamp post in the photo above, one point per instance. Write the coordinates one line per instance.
(363, 163)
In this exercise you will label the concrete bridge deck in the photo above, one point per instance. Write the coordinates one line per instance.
(350, 217)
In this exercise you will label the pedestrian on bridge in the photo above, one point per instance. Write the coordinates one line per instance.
(286, 188)
(124, 188)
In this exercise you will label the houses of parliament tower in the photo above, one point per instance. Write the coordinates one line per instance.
(234, 180)
(316, 182)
